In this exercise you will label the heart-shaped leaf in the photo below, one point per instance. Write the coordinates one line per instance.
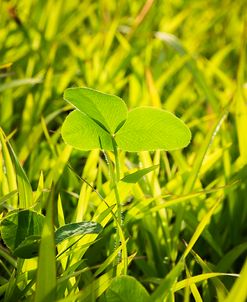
(80, 228)
(126, 288)
(148, 129)
(108, 111)
(28, 248)
(101, 120)
(83, 133)
(21, 232)
(19, 226)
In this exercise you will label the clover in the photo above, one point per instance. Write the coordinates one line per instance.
(102, 120)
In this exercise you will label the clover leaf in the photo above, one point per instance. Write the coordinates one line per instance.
(101, 119)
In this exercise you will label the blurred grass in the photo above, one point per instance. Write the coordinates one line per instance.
(188, 57)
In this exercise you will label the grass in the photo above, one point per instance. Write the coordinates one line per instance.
(185, 222)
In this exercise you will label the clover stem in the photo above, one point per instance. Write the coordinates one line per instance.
(115, 177)
(117, 165)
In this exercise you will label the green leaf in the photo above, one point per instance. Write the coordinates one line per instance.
(228, 259)
(238, 291)
(126, 288)
(24, 186)
(6, 197)
(108, 111)
(20, 225)
(80, 228)
(202, 152)
(28, 248)
(195, 279)
(83, 133)
(200, 228)
(136, 176)
(240, 99)
(191, 64)
(10, 171)
(12, 290)
(46, 273)
(167, 283)
(21, 82)
(101, 117)
(148, 129)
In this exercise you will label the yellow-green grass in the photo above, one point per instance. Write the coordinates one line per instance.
(185, 222)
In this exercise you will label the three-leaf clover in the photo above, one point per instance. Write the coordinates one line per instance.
(101, 120)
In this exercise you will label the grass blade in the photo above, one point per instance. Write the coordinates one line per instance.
(17, 83)
(10, 171)
(241, 109)
(174, 42)
(24, 186)
(195, 279)
(239, 290)
(136, 176)
(46, 274)
(167, 283)
(200, 229)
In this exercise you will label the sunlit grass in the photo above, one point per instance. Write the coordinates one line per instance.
(184, 222)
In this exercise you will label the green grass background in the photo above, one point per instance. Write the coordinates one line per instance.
(188, 57)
